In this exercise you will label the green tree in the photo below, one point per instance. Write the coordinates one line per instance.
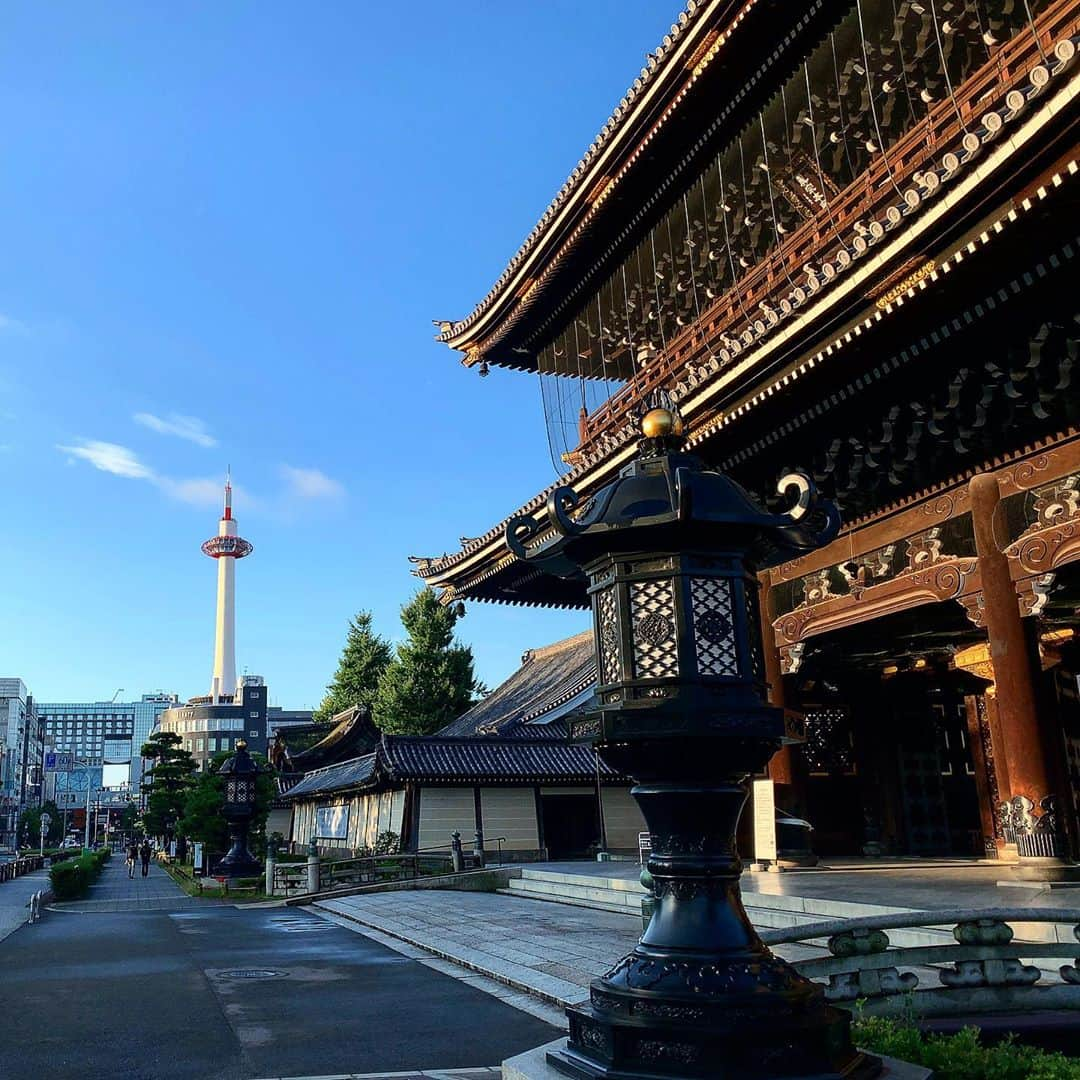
(363, 661)
(167, 783)
(30, 825)
(202, 818)
(430, 680)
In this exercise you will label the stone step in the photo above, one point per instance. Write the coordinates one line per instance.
(596, 905)
(582, 889)
(618, 884)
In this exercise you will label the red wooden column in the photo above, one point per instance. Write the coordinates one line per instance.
(1025, 744)
(786, 770)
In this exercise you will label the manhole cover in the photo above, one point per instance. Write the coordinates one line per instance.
(252, 973)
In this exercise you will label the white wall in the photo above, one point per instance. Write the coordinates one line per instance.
(510, 812)
(443, 811)
(622, 818)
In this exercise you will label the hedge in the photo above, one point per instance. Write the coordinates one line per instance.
(72, 878)
(962, 1056)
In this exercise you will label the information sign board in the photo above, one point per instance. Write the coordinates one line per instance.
(59, 761)
(764, 808)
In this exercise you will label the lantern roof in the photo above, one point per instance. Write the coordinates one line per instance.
(240, 764)
(666, 499)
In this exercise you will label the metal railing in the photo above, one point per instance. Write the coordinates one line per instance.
(17, 867)
(291, 879)
(982, 971)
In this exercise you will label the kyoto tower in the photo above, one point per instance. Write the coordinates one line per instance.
(226, 547)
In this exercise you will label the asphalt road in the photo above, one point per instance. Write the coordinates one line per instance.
(160, 995)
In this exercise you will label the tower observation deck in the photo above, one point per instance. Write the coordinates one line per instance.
(226, 547)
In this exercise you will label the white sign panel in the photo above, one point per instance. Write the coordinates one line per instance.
(332, 822)
(764, 821)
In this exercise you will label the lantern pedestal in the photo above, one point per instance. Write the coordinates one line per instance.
(239, 862)
(700, 994)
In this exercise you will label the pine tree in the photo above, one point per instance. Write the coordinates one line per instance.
(430, 681)
(363, 661)
(167, 784)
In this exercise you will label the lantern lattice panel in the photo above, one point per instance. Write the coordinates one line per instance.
(240, 791)
(607, 635)
(652, 610)
(714, 627)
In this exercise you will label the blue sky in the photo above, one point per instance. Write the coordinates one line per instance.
(226, 230)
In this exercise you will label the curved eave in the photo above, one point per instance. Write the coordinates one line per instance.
(486, 570)
(706, 31)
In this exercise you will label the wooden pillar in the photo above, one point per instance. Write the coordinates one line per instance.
(787, 767)
(1024, 751)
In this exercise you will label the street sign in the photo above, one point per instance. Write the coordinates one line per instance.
(59, 761)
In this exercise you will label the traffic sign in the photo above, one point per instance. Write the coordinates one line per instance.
(59, 761)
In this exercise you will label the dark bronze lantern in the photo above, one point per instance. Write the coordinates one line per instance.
(670, 551)
(241, 779)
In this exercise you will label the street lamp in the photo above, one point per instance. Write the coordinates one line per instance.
(670, 551)
(241, 775)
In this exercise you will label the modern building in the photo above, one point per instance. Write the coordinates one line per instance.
(208, 727)
(279, 719)
(106, 732)
(22, 746)
(235, 708)
(843, 237)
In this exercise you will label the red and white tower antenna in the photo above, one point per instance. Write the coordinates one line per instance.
(226, 547)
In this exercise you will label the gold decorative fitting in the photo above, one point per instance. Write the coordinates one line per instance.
(657, 423)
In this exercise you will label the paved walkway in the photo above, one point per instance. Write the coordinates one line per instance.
(14, 896)
(115, 891)
(551, 950)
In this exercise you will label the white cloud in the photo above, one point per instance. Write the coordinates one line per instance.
(204, 492)
(310, 483)
(12, 326)
(110, 458)
(183, 427)
(194, 491)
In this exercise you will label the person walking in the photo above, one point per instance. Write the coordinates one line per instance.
(132, 856)
(144, 854)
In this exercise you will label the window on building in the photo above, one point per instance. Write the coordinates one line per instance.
(200, 745)
(211, 744)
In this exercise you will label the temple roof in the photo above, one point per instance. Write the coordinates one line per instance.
(533, 703)
(352, 733)
(716, 50)
(431, 759)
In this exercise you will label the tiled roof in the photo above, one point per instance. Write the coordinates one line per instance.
(352, 734)
(551, 682)
(348, 774)
(658, 63)
(476, 760)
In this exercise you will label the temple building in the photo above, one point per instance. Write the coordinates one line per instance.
(505, 769)
(843, 237)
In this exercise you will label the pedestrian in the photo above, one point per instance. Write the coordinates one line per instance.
(132, 856)
(144, 854)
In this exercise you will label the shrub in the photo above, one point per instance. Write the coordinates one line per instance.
(71, 879)
(961, 1056)
(387, 843)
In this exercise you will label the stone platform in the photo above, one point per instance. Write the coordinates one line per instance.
(533, 1065)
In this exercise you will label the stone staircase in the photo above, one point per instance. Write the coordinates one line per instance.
(622, 895)
(767, 911)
